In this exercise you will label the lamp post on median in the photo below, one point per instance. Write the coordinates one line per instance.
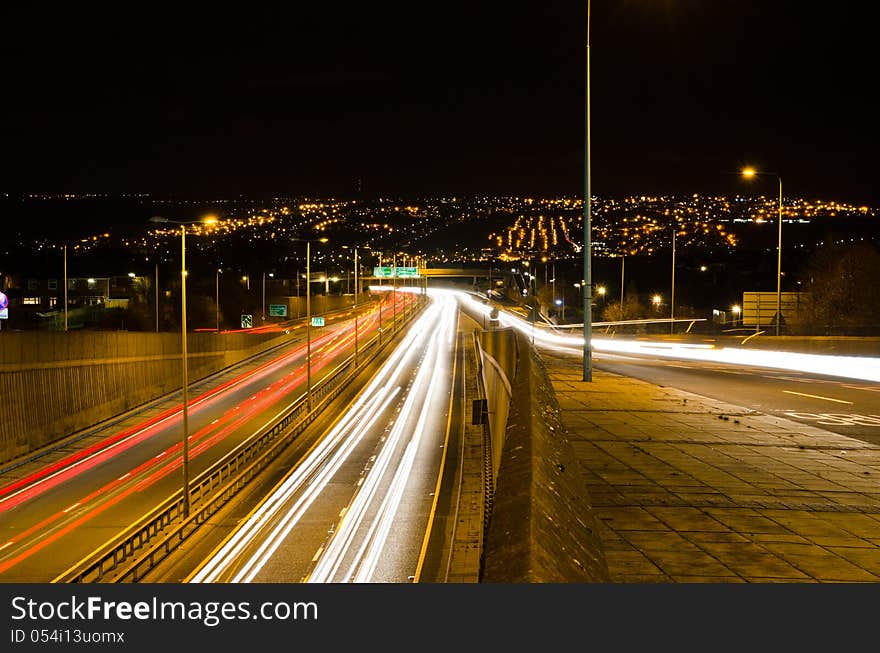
(308, 243)
(749, 173)
(587, 288)
(672, 293)
(217, 298)
(356, 293)
(207, 220)
(65, 287)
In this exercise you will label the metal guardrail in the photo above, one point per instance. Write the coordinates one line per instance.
(216, 485)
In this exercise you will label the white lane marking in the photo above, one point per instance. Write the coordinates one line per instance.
(862, 387)
(72, 507)
(124, 476)
(804, 394)
(318, 554)
(9, 543)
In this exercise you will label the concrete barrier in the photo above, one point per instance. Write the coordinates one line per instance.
(542, 528)
(54, 384)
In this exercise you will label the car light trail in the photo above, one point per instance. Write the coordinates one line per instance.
(252, 545)
(52, 475)
(431, 376)
(849, 367)
(32, 538)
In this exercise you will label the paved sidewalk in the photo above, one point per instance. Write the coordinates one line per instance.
(688, 489)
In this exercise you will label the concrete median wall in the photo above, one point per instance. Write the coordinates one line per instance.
(53, 384)
(542, 528)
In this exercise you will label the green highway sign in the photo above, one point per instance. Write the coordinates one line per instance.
(317, 321)
(389, 272)
(277, 310)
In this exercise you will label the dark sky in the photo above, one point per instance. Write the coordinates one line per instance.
(452, 97)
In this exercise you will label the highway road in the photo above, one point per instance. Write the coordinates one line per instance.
(58, 507)
(836, 393)
(850, 407)
(357, 506)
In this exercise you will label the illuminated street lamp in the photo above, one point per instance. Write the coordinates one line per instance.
(271, 275)
(748, 173)
(736, 310)
(308, 243)
(656, 300)
(206, 220)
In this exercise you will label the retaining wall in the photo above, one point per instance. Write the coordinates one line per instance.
(53, 384)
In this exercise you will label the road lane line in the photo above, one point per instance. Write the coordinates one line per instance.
(804, 394)
(862, 387)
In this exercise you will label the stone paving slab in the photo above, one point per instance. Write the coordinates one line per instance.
(692, 489)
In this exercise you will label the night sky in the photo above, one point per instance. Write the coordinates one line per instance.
(440, 98)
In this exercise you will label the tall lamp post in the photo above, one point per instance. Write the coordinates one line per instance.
(65, 287)
(308, 243)
(217, 299)
(749, 173)
(207, 220)
(672, 293)
(588, 317)
(357, 290)
(271, 276)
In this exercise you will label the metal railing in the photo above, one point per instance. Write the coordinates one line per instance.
(219, 483)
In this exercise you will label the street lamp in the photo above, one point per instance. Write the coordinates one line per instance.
(308, 243)
(217, 300)
(65, 287)
(601, 290)
(271, 276)
(749, 173)
(736, 310)
(357, 289)
(207, 220)
(561, 302)
(672, 294)
(588, 318)
(656, 300)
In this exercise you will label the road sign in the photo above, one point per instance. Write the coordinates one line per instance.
(400, 272)
(247, 321)
(277, 310)
(4, 301)
(385, 271)
(317, 321)
(4, 314)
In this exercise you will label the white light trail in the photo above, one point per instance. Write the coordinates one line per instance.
(432, 376)
(849, 367)
(318, 468)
